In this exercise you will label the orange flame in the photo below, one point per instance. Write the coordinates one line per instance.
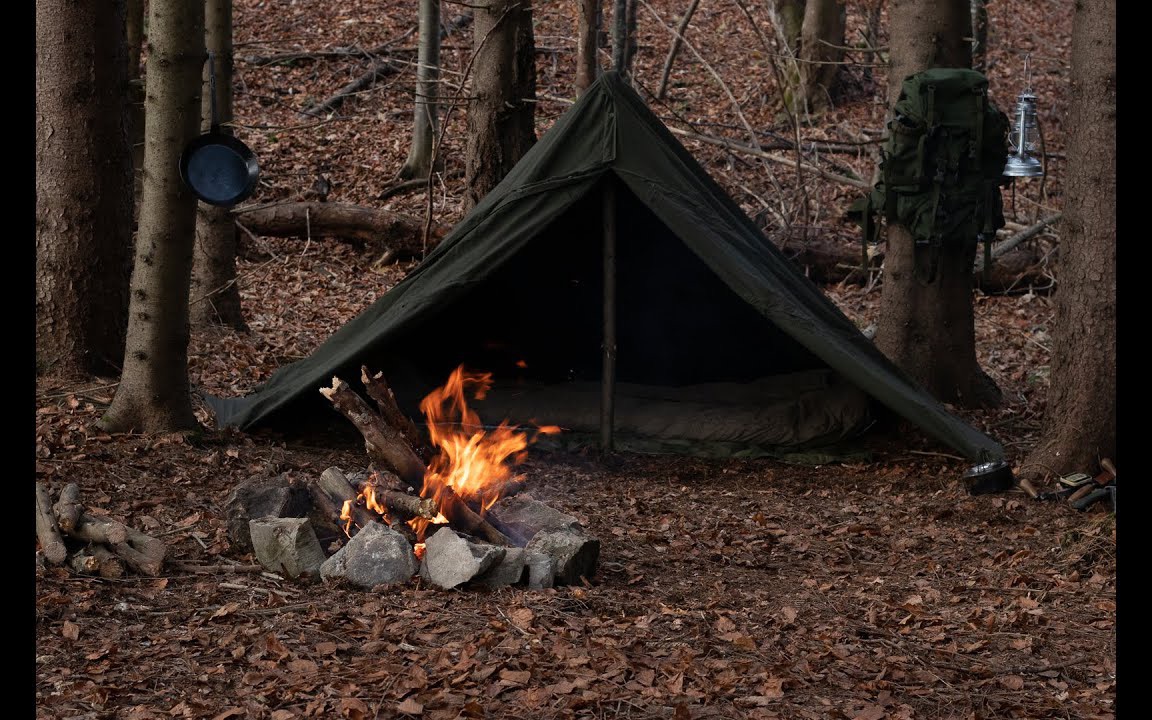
(475, 462)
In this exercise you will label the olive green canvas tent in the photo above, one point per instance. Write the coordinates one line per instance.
(722, 346)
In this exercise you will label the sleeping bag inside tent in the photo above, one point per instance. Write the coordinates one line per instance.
(722, 347)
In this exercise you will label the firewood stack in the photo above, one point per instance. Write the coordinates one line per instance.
(92, 544)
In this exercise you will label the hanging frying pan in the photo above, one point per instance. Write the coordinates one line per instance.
(216, 167)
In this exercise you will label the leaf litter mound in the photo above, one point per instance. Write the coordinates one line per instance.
(727, 589)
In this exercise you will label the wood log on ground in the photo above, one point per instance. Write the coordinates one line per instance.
(380, 68)
(98, 560)
(379, 391)
(142, 553)
(463, 518)
(47, 532)
(378, 229)
(384, 443)
(99, 529)
(68, 507)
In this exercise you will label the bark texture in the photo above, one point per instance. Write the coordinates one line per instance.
(153, 395)
(927, 328)
(83, 187)
(823, 28)
(419, 162)
(502, 114)
(1080, 420)
(215, 295)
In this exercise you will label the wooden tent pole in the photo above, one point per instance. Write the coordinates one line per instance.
(608, 377)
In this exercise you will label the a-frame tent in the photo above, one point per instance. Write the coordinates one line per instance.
(720, 341)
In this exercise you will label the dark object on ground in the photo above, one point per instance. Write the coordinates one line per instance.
(989, 477)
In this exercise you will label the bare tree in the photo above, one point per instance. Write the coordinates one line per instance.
(927, 328)
(501, 114)
(215, 295)
(419, 162)
(821, 51)
(1080, 419)
(979, 11)
(83, 187)
(153, 394)
(588, 40)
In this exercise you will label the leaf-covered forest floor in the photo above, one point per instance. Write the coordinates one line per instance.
(727, 589)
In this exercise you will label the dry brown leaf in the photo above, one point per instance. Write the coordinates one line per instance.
(870, 712)
(410, 707)
(773, 688)
(226, 610)
(517, 677)
(681, 712)
(70, 631)
(1012, 682)
(230, 713)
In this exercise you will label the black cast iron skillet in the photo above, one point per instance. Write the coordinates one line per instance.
(216, 167)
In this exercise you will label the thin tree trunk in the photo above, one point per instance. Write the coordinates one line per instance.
(1080, 419)
(153, 394)
(788, 19)
(215, 295)
(619, 34)
(419, 162)
(681, 28)
(927, 328)
(588, 34)
(83, 181)
(501, 115)
(822, 32)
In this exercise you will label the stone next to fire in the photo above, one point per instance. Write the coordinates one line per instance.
(377, 555)
(286, 545)
(574, 552)
(450, 560)
(509, 571)
(520, 517)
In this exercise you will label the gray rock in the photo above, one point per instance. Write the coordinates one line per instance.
(452, 560)
(574, 552)
(377, 555)
(509, 571)
(260, 497)
(541, 570)
(286, 545)
(520, 517)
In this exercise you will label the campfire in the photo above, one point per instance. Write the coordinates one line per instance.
(452, 508)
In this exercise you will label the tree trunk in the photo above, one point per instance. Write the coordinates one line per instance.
(927, 328)
(788, 19)
(823, 28)
(83, 181)
(1080, 420)
(135, 25)
(153, 395)
(501, 115)
(588, 34)
(215, 296)
(419, 162)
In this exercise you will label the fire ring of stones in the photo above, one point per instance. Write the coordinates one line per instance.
(383, 533)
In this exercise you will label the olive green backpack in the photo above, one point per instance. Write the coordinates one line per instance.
(942, 166)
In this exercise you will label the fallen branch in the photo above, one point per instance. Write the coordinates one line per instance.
(375, 227)
(1027, 233)
(47, 532)
(379, 69)
(383, 443)
(97, 529)
(143, 553)
(98, 560)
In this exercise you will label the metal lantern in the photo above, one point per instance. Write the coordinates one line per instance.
(1022, 143)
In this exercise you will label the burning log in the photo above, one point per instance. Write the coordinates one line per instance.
(68, 507)
(465, 519)
(385, 399)
(337, 493)
(47, 532)
(383, 442)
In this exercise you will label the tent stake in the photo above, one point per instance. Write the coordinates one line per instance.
(608, 376)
